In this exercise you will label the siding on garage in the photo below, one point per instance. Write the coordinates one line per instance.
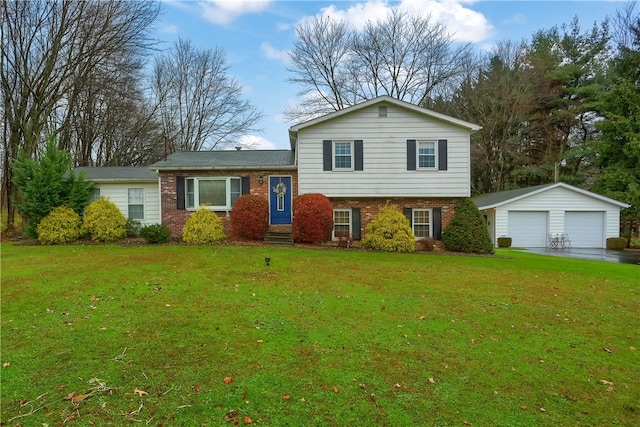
(557, 201)
(118, 193)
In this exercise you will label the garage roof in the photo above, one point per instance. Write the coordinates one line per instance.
(493, 200)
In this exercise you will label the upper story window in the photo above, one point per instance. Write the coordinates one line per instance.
(426, 154)
(215, 193)
(135, 203)
(343, 155)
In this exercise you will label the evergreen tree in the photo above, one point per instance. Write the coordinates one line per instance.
(46, 183)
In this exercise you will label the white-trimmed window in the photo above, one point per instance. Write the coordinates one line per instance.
(341, 223)
(215, 193)
(95, 195)
(343, 155)
(136, 203)
(426, 154)
(421, 223)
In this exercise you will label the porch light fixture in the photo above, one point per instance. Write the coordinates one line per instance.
(261, 180)
(562, 163)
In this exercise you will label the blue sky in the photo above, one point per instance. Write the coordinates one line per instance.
(257, 34)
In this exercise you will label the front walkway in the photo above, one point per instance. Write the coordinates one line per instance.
(628, 256)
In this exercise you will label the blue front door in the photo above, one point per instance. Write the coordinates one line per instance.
(280, 199)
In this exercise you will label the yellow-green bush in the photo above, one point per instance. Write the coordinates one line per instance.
(203, 226)
(104, 222)
(62, 225)
(390, 232)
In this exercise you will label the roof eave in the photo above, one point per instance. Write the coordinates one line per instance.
(221, 168)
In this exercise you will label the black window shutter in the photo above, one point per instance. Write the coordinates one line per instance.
(442, 154)
(411, 154)
(358, 148)
(356, 223)
(327, 155)
(436, 219)
(409, 214)
(246, 182)
(180, 192)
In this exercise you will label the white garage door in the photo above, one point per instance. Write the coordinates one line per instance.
(528, 229)
(585, 229)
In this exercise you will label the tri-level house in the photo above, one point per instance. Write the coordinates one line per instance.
(380, 151)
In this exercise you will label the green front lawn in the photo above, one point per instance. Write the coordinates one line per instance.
(210, 335)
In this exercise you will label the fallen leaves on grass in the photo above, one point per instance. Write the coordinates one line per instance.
(139, 392)
(196, 388)
(228, 380)
(6, 364)
(431, 380)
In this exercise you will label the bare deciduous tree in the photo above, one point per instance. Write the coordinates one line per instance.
(407, 57)
(50, 50)
(199, 105)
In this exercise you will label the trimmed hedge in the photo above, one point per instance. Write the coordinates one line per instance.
(155, 233)
(312, 218)
(104, 222)
(250, 217)
(467, 230)
(203, 226)
(62, 225)
(390, 232)
(504, 242)
(617, 243)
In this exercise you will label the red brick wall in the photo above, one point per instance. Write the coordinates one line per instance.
(175, 219)
(369, 207)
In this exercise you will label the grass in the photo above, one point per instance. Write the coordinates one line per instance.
(319, 337)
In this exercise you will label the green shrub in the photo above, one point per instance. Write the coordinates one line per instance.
(617, 243)
(390, 232)
(312, 218)
(133, 227)
(250, 217)
(203, 226)
(467, 231)
(156, 233)
(104, 222)
(62, 225)
(504, 242)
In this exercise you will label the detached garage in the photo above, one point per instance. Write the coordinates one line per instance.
(529, 215)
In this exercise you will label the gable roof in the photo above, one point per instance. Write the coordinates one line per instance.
(117, 173)
(384, 99)
(494, 200)
(227, 160)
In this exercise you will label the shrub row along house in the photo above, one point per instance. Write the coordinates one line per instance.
(382, 151)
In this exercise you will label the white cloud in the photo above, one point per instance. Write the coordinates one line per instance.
(254, 142)
(270, 52)
(167, 28)
(465, 25)
(224, 12)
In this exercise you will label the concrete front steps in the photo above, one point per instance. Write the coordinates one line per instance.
(279, 235)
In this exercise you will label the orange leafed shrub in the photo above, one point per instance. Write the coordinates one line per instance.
(312, 218)
(250, 217)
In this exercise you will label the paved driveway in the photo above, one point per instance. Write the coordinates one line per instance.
(627, 256)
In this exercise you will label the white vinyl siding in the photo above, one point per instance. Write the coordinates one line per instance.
(384, 171)
(557, 202)
(118, 193)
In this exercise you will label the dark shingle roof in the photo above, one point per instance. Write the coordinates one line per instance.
(118, 173)
(229, 159)
(492, 199)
